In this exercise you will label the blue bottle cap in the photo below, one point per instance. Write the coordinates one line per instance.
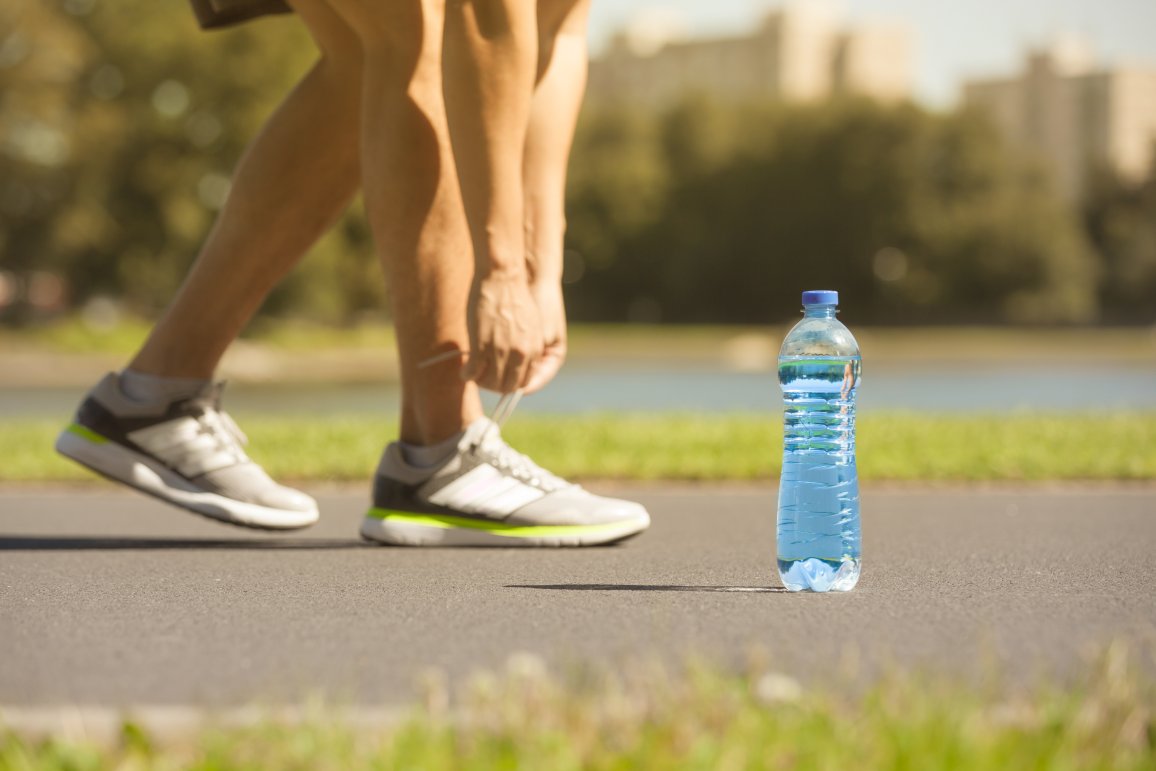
(820, 297)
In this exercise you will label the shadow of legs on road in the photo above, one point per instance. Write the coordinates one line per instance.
(648, 588)
(121, 543)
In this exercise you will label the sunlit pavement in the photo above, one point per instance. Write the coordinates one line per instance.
(114, 600)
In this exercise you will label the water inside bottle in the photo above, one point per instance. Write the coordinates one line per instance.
(818, 534)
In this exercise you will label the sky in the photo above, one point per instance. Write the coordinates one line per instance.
(955, 39)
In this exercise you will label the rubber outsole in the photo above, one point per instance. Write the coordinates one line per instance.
(402, 529)
(120, 464)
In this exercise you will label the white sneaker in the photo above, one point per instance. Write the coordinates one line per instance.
(488, 494)
(187, 452)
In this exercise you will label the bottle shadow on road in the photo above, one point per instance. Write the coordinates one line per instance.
(650, 588)
(37, 543)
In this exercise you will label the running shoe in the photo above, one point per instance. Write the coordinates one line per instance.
(187, 452)
(488, 494)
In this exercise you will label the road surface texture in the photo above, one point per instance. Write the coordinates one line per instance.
(110, 599)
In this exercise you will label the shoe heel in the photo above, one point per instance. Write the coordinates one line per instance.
(78, 443)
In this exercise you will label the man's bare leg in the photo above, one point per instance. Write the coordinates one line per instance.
(296, 178)
(143, 427)
(415, 210)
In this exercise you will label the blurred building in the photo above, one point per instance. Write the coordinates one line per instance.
(799, 52)
(1081, 118)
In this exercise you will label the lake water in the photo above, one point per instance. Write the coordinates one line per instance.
(580, 389)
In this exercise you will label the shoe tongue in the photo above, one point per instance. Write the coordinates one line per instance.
(481, 429)
(486, 433)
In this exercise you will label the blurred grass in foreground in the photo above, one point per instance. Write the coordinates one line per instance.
(902, 447)
(696, 719)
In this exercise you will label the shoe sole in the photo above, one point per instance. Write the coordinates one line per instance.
(401, 528)
(120, 464)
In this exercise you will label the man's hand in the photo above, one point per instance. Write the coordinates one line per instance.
(552, 309)
(505, 333)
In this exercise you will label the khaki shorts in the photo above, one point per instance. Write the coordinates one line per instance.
(224, 13)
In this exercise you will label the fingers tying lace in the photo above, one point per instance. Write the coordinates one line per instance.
(506, 404)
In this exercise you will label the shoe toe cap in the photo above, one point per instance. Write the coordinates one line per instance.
(286, 498)
(579, 507)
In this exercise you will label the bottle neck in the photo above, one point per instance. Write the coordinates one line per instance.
(819, 311)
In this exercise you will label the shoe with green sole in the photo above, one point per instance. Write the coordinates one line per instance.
(488, 494)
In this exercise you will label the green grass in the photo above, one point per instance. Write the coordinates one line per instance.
(525, 718)
(73, 335)
(892, 447)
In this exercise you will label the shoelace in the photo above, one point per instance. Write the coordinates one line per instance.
(518, 465)
(219, 426)
(505, 456)
(505, 407)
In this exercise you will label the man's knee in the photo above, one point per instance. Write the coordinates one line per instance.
(339, 45)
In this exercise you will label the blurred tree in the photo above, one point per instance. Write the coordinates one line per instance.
(120, 123)
(616, 187)
(41, 54)
(917, 217)
(1121, 220)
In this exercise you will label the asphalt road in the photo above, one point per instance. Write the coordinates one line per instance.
(112, 599)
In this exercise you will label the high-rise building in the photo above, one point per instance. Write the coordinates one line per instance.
(1080, 118)
(799, 52)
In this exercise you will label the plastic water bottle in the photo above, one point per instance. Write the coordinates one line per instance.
(818, 524)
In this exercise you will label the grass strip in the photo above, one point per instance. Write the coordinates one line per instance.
(671, 342)
(901, 447)
(525, 718)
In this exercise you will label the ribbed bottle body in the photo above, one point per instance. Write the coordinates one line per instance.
(818, 517)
